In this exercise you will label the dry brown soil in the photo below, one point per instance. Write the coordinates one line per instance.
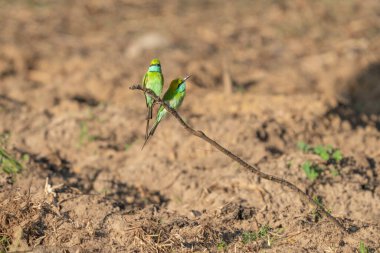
(266, 75)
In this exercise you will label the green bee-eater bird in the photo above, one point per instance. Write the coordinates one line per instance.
(154, 80)
(173, 97)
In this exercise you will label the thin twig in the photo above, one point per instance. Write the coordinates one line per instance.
(254, 169)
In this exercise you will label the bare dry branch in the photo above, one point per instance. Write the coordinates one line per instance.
(254, 169)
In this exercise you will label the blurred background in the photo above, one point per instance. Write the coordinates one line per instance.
(58, 49)
(266, 74)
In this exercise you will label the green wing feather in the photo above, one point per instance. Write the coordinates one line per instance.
(153, 81)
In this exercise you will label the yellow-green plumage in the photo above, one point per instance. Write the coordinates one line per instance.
(174, 97)
(154, 80)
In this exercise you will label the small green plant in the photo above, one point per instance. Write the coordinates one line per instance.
(240, 88)
(249, 237)
(4, 243)
(25, 158)
(363, 248)
(221, 246)
(8, 164)
(127, 146)
(311, 170)
(4, 138)
(322, 152)
(84, 135)
(337, 155)
(326, 153)
(334, 172)
(316, 212)
(289, 164)
(329, 155)
(263, 231)
(318, 200)
(303, 146)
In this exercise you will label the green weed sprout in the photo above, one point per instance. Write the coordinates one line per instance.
(8, 164)
(327, 153)
(263, 231)
(363, 248)
(303, 146)
(221, 245)
(322, 152)
(4, 243)
(126, 147)
(311, 170)
(337, 155)
(251, 236)
(84, 135)
(316, 213)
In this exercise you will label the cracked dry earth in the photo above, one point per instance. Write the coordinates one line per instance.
(266, 76)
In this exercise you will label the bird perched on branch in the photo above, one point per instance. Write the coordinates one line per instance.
(173, 97)
(154, 80)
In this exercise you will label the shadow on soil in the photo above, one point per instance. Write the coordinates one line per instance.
(121, 194)
(129, 197)
(363, 99)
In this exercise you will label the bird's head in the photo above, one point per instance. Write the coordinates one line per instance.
(179, 84)
(155, 62)
(155, 65)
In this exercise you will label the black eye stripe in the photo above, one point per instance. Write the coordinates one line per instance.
(180, 84)
(159, 65)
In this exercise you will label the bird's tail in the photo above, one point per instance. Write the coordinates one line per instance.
(150, 112)
(146, 140)
(153, 129)
(148, 117)
(150, 134)
(147, 129)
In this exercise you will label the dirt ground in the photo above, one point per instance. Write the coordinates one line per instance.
(266, 76)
